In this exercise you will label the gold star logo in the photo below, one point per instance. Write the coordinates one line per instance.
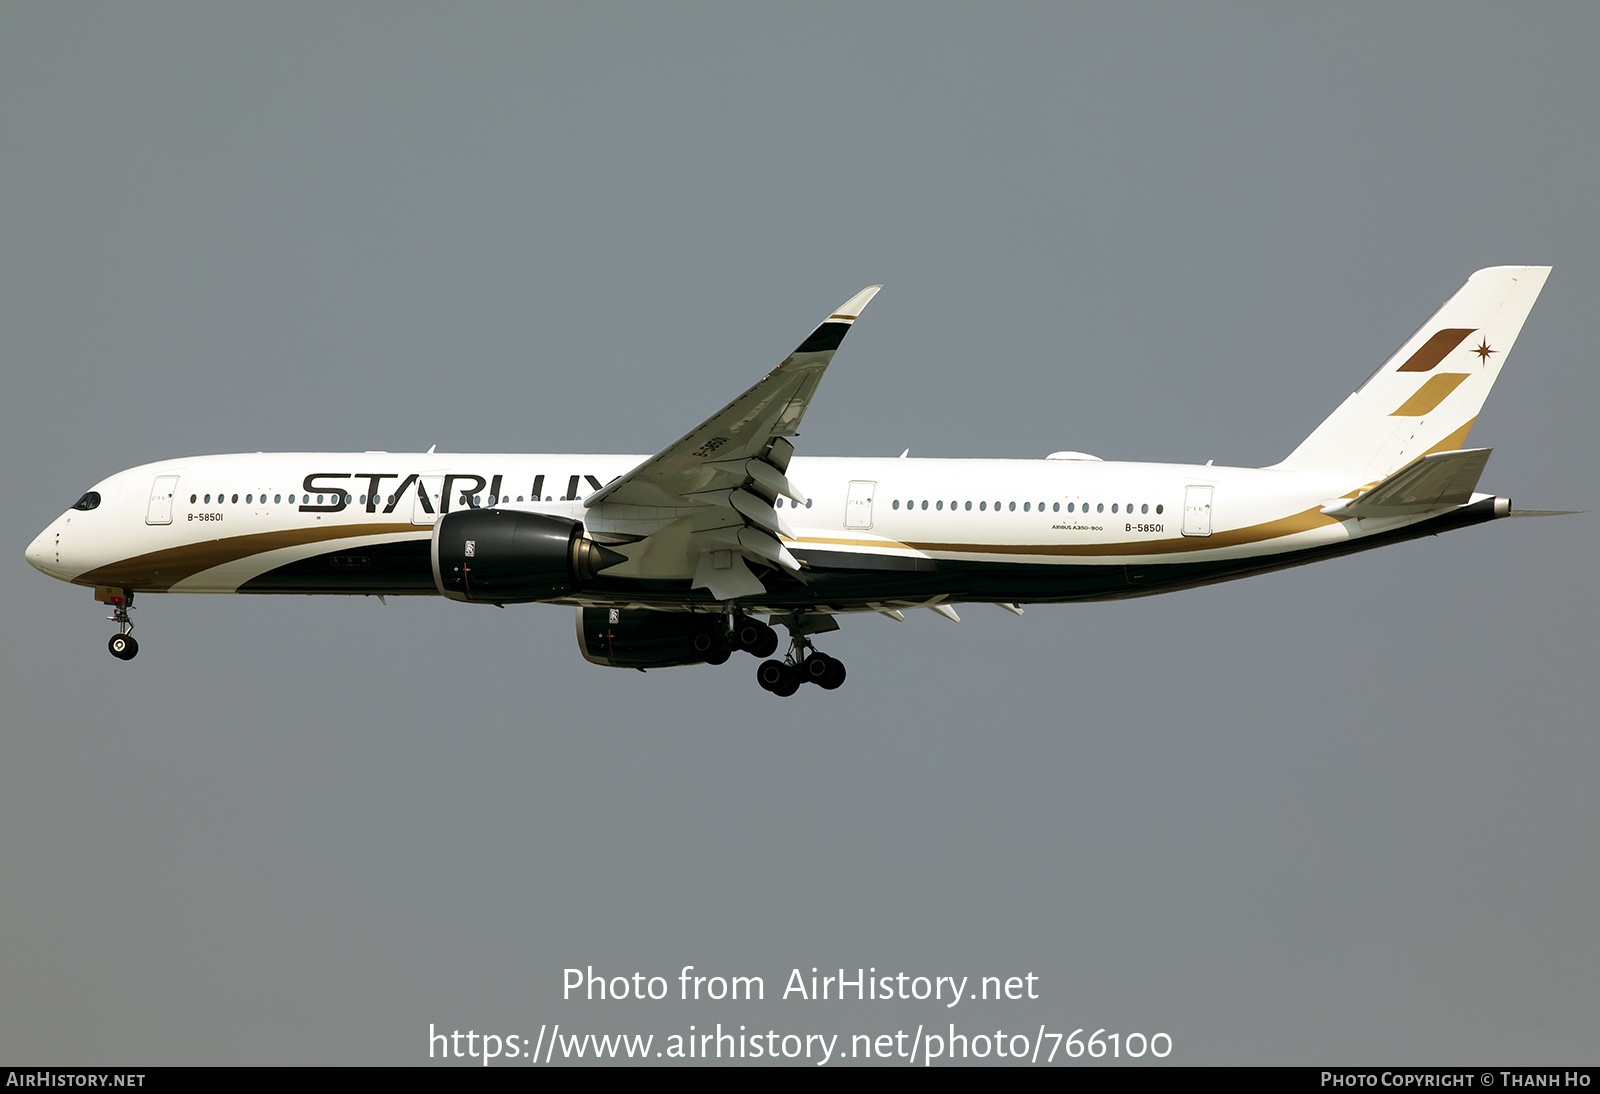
(1482, 350)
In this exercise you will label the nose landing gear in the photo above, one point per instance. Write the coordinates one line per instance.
(123, 646)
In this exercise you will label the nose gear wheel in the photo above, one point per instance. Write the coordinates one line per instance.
(123, 646)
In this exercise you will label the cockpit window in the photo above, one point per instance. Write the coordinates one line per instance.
(89, 501)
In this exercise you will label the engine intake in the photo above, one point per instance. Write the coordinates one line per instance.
(638, 638)
(501, 556)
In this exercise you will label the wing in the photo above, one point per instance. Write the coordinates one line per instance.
(703, 505)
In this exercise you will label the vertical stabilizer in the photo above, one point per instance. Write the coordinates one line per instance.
(1425, 398)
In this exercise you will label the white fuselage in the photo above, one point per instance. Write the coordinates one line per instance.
(233, 521)
(730, 521)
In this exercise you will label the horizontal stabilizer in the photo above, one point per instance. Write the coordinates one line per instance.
(1443, 480)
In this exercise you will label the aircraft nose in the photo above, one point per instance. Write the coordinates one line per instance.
(42, 551)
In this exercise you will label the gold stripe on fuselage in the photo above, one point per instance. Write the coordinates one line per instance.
(158, 571)
(1233, 537)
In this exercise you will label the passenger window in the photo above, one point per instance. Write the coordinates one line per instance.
(939, 505)
(808, 503)
(192, 499)
(896, 503)
(1027, 507)
(1159, 508)
(1013, 507)
(1056, 508)
(247, 498)
(277, 499)
(1113, 507)
(969, 507)
(924, 503)
(1100, 507)
(208, 499)
(1144, 508)
(982, 505)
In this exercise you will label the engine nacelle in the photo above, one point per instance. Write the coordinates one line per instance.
(502, 556)
(638, 638)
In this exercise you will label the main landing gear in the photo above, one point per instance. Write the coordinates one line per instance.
(805, 664)
(123, 646)
(739, 632)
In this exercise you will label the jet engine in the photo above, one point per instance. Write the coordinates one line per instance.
(638, 638)
(501, 556)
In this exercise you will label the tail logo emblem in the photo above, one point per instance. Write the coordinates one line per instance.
(1436, 349)
(1482, 350)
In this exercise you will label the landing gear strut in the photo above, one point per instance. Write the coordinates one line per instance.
(804, 664)
(123, 646)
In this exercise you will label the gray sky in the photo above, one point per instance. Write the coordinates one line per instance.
(1342, 813)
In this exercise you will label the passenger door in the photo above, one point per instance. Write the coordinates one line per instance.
(858, 505)
(425, 506)
(161, 495)
(1197, 511)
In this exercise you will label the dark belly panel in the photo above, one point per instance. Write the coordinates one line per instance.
(389, 569)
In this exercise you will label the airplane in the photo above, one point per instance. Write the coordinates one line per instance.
(670, 559)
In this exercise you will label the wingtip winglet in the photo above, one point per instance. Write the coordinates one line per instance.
(831, 331)
(851, 309)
